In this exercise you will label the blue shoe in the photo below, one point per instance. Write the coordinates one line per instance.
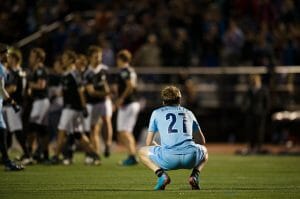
(162, 182)
(130, 161)
(194, 182)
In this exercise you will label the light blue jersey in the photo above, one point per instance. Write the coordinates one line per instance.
(2, 77)
(175, 125)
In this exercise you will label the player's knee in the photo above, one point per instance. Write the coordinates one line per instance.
(142, 152)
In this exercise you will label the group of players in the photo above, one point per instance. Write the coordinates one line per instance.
(76, 97)
(79, 92)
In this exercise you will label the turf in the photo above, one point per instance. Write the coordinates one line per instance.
(225, 176)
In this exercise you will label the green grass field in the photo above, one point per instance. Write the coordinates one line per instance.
(225, 176)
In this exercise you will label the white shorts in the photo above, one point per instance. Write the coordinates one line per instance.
(71, 121)
(12, 119)
(127, 116)
(39, 111)
(95, 112)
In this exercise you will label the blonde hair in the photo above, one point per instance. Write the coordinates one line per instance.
(16, 54)
(171, 95)
(124, 55)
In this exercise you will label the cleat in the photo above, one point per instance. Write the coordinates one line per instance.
(27, 161)
(96, 161)
(130, 161)
(11, 166)
(194, 182)
(67, 162)
(162, 182)
(88, 160)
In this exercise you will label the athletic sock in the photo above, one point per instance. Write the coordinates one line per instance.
(159, 172)
(195, 173)
(3, 148)
(22, 140)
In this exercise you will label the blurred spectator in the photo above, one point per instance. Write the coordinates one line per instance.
(181, 49)
(210, 51)
(233, 41)
(149, 53)
(184, 28)
(108, 56)
(255, 107)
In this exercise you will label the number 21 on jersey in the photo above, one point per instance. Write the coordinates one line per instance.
(173, 118)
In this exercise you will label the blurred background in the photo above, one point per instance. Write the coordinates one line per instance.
(237, 61)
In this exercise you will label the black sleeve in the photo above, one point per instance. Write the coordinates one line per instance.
(89, 78)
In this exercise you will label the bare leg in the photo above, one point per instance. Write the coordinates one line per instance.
(194, 177)
(86, 144)
(108, 130)
(202, 164)
(95, 138)
(61, 138)
(128, 140)
(145, 159)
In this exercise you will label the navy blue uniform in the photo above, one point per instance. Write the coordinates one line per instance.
(71, 82)
(126, 74)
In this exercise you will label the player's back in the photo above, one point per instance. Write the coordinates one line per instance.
(175, 125)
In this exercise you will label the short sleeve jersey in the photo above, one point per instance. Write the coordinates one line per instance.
(39, 73)
(18, 79)
(175, 125)
(71, 82)
(126, 74)
(98, 79)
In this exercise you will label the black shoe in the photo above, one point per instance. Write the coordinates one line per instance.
(107, 152)
(11, 166)
(194, 182)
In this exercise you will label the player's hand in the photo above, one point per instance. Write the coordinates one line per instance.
(85, 112)
(14, 105)
(119, 103)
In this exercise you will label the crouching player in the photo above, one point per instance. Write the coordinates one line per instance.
(181, 141)
(74, 110)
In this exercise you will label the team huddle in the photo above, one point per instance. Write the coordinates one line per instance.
(76, 100)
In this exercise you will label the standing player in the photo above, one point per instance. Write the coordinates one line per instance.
(15, 86)
(179, 132)
(9, 165)
(99, 104)
(74, 111)
(38, 91)
(128, 107)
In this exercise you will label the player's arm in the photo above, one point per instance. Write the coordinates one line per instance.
(127, 91)
(197, 132)
(11, 88)
(5, 95)
(82, 97)
(3, 92)
(199, 137)
(150, 139)
(94, 93)
(39, 85)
